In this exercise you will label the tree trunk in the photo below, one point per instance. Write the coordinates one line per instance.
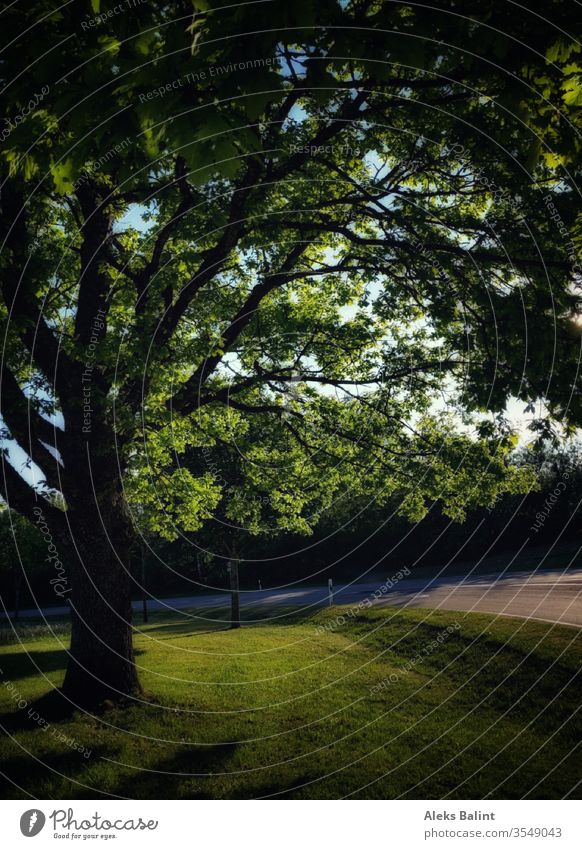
(101, 661)
(234, 594)
(17, 586)
(144, 596)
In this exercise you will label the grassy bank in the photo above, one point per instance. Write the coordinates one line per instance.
(391, 703)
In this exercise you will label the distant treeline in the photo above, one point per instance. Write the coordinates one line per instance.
(368, 538)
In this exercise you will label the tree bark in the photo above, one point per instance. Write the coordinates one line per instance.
(17, 586)
(234, 594)
(144, 596)
(101, 659)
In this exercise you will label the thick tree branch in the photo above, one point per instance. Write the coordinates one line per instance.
(443, 247)
(267, 378)
(276, 409)
(215, 257)
(188, 201)
(349, 112)
(20, 496)
(22, 305)
(27, 427)
(96, 231)
(236, 327)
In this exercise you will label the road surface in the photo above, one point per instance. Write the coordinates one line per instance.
(548, 595)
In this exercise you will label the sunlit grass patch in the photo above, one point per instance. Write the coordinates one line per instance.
(387, 703)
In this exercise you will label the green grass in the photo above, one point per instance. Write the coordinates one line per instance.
(281, 709)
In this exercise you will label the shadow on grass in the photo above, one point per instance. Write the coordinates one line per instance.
(507, 676)
(515, 679)
(193, 622)
(22, 664)
(27, 773)
(51, 707)
(189, 626)
(195, 764)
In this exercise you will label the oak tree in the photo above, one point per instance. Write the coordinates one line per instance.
(204, 209)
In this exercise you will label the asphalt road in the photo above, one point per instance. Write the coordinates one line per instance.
(549, 596)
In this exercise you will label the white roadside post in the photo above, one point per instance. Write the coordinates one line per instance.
(330, 590)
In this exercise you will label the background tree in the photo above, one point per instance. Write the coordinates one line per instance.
(287, 468)
(199, 211)
(23, 554)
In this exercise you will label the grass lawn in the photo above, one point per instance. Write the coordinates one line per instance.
(284, 709)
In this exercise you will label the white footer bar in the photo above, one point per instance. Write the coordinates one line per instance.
(293, 824)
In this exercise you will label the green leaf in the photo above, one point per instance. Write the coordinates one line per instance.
(62, 173)
(573, 92)
(110, 44)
